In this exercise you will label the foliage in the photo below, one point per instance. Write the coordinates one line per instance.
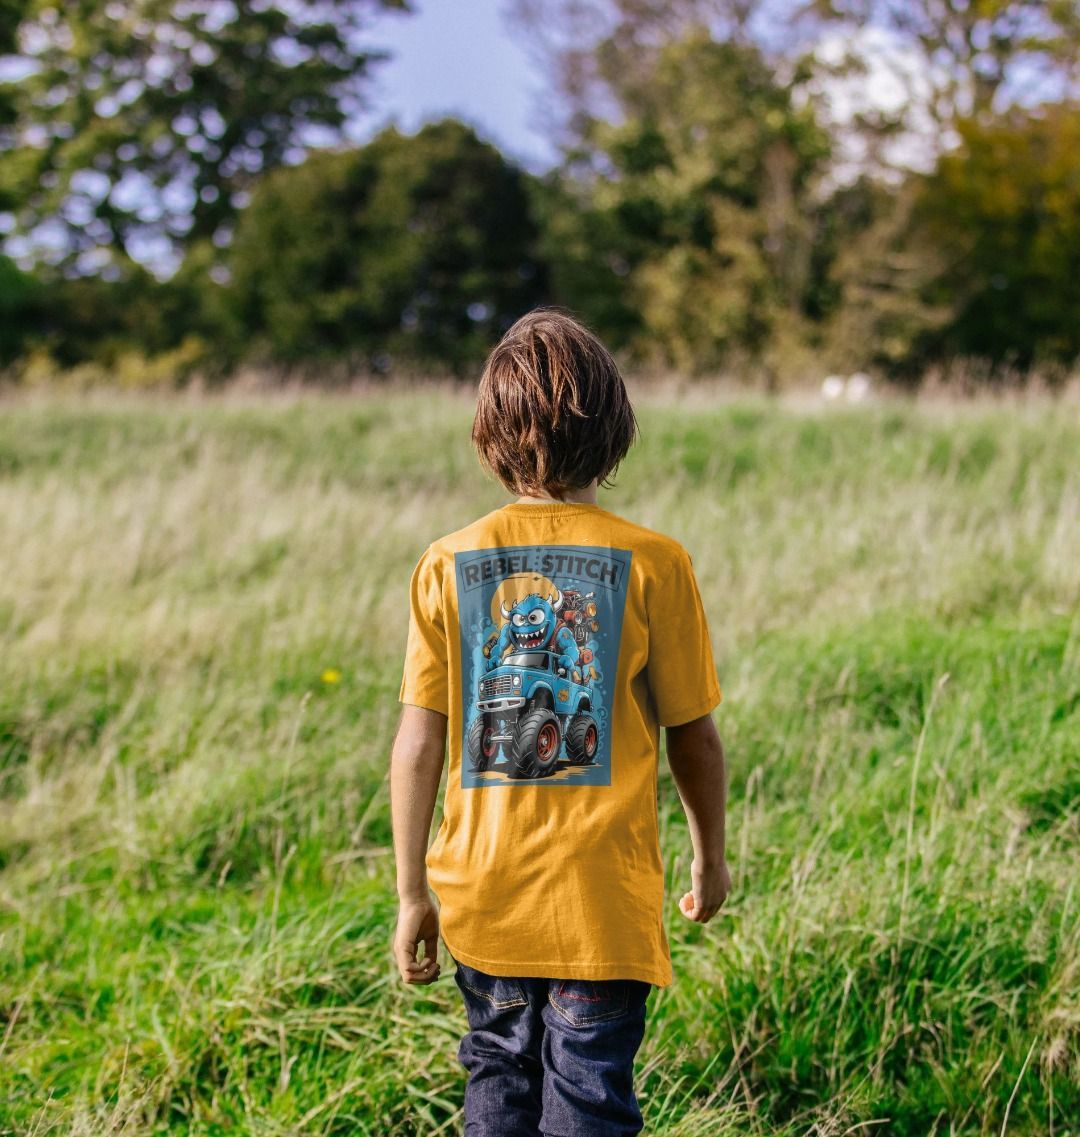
(572, 37)
(864, 282)
(21, 304)
(70, 322)
(712, 209)
(971, 53)
(147, 122)
(693, 197)
(418, 246)
(1004, 210)
(11, 12)
(878, 273)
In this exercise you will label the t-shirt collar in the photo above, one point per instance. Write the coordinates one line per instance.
(530, 508)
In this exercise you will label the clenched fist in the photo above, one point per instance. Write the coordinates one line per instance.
(710, 886)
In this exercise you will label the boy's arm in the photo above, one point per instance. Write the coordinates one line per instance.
(696, 757)
(416, 763)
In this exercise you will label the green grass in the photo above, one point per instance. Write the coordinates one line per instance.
(196, 885)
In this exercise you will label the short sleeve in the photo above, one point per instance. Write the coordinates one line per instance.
(425, 680)
(681, 669)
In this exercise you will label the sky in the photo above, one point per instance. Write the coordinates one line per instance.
(460, 58)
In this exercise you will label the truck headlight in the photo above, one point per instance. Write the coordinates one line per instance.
(517, 680)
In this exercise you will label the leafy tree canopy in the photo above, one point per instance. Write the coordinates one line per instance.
(1005, 212)
(973, 53)
(690, 199)
(420, 246)
(139, 126)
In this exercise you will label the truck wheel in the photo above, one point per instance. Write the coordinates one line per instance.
(582, 739)
(482, 750)
(535, 751)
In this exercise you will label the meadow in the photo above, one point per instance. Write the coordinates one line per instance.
(203, 606)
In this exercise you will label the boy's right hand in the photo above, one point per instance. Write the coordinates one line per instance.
(710, 887)
(417, 923)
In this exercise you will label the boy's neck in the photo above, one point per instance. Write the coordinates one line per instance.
(584, 496)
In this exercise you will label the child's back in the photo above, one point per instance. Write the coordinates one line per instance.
(549, 641)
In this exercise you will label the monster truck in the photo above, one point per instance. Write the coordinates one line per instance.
(531, 707)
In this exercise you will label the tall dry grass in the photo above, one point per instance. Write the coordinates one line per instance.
(195, 872)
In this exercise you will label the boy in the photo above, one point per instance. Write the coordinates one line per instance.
(552, 639)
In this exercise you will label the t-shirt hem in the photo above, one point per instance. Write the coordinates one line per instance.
(415, 700)
(662, 977)
(688, 714)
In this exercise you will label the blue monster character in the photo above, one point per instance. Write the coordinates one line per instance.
(533, 624)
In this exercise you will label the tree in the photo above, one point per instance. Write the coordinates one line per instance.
(414, 247)
(142, 125)
(973, 54)
(878, 307)
(691, 202)
(581, 44)
(22, 309)
(11, 13)
(975, 260)
(1004, 211)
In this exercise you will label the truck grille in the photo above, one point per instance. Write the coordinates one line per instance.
(497, 685)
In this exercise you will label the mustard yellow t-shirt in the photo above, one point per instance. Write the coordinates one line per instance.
(557, 639)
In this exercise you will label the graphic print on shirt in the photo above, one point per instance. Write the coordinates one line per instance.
(540, 631)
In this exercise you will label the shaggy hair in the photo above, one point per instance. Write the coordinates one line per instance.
(552, 411)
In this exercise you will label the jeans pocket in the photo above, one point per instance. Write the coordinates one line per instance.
(499, 992)
(585, 1001)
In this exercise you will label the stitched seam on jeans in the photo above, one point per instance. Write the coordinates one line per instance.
(615, 1014)
(580, 998)
(501, 1003)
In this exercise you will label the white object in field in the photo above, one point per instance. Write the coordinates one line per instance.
(858, 387)
(833, 387)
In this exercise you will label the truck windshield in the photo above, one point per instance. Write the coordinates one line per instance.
(528, 659)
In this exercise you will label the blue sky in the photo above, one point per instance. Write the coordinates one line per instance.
(460, 58)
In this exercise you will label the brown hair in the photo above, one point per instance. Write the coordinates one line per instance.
(552, 411)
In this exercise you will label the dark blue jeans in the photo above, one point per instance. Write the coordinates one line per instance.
(551, 1057)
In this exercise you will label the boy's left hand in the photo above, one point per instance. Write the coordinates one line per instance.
(417, 923)
(710, 885)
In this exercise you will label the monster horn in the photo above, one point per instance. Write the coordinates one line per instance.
(503, 609)
(557, 600)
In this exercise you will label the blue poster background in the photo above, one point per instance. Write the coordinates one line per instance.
(580, 590)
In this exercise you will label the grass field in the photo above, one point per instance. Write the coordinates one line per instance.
(203, 613)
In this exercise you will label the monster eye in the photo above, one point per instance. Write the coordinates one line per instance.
(518, 619)
(536, 616)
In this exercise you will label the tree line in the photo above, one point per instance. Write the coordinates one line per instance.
(705, 215)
